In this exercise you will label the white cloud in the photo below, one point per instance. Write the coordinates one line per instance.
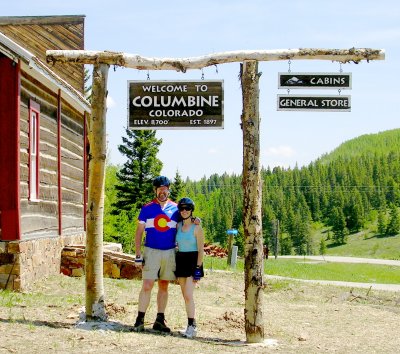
(281, 151)
(110, 102)
(212, 151)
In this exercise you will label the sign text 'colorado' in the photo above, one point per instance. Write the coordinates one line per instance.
(175, 104)
(314, 103)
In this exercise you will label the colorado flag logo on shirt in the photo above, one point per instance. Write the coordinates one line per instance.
(161, 222)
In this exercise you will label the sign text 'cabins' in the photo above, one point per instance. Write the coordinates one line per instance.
(175, 104)
(318, 103)
(314, 80)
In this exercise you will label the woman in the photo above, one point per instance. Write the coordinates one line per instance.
(189, 260)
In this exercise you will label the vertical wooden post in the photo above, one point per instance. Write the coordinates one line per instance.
(276, 237)
(85, 167)
(230, 243)
(95, 306)
(254, 260)
(59, 187)
(10, 96)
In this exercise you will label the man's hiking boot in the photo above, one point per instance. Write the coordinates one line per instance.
(139, 325)
(159, 325)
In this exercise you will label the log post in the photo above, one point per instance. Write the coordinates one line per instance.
(254, 260)
(95, 306)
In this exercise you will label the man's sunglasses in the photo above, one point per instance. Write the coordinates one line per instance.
(185, 207)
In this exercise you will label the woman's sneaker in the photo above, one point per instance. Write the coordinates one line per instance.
(191, 332)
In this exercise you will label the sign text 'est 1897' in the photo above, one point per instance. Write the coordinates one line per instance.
(318, 103)
(175, 104)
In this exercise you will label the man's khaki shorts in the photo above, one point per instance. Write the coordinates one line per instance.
(158, 264)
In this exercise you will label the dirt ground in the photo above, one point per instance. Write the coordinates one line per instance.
(298, 318)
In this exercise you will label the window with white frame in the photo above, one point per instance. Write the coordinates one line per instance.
(34, 127)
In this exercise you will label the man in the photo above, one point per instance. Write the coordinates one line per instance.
(158, 219)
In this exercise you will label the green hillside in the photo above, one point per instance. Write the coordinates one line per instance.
(368, 242)
(344, 203)
(380, 143)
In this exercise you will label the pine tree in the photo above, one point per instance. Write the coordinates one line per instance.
(339, 228)
(354, 212)
(268, 226)
(381, 223)
(393, 227)
(322, 247)
(177, 187)
(392, 191)
(285, 245)
(135, 178)
(109, 198)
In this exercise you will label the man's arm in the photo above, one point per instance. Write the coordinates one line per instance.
(195, 220)
(138, 238)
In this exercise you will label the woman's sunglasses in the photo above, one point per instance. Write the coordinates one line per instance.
(185, 207)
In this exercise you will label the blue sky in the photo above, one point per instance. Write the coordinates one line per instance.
(182, 28)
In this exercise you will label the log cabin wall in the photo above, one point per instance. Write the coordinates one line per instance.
(38, 252)
(72, 171)
(41, 218)
(45, 221)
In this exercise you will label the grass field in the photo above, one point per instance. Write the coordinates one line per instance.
(365, 244)
(305, 269)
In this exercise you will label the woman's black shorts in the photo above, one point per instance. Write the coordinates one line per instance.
(186, 263)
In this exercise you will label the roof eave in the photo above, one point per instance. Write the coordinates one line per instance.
(42, 73)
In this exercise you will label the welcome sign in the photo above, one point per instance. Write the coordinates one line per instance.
(175, 104)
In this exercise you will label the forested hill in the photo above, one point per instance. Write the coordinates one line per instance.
(357, 186)
(381, 143)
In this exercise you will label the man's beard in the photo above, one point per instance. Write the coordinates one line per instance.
(162, 197)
